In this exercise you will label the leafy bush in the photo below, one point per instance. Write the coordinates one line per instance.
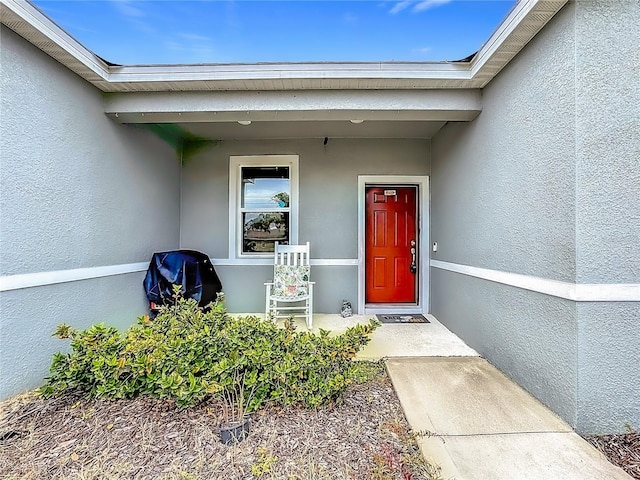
(186, 354)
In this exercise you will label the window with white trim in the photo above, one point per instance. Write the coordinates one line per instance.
(263, 201)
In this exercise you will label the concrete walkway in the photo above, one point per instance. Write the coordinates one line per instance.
(486, 427)
(483, 425)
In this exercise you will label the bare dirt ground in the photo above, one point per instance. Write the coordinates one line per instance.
(622, 450)
(366, 436)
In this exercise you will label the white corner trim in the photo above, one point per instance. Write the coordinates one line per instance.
(596, 292)
(39, 279)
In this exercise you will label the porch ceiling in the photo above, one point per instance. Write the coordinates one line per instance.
(310, 129)
(299, 114)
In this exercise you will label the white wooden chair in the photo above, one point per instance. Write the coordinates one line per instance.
(291, 291)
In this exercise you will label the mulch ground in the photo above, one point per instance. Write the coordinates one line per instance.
(622, 450)
(366, 436)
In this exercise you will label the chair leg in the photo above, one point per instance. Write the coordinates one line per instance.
(267, 308)
(310, 308)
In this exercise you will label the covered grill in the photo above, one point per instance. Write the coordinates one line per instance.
(190, 269)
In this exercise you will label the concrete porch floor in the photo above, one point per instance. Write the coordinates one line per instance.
(398, 340)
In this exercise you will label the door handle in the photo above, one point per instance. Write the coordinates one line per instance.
(412, 267)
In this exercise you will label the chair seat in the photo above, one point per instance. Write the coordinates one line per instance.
(289, 299)
(290, 284)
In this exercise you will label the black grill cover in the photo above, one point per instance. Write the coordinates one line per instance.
(190, 269)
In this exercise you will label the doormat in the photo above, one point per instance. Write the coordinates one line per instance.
(402, 318)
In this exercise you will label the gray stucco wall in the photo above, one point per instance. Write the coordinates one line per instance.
(607, 131)
(246, 284)
(328, 208)
(76, 191)
(608, 358)
(30, 316)
(544, 183)
(503, 186)
(608, 209)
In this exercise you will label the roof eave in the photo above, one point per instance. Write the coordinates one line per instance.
(518, 28)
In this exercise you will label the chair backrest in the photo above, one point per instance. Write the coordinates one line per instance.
(295, 255)
(291, 271)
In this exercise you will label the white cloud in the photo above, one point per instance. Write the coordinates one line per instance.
(418, 5)
(127, 8)
(398, 7)
(426, 4)
(135, 15)
(423, 50)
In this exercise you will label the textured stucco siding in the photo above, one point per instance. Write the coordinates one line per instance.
(608, 361)
(608, 210)
(503, 185)
(76, 191)
(328, 207)
(30, 316)
(246, 284)
(545, 183)
(608, 141)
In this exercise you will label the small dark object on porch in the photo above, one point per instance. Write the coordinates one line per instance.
(190, 269)
(347, 309)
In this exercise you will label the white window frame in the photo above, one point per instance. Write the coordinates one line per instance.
(236, 163)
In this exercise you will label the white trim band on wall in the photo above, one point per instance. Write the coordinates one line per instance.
(590, 292)
(39, 279)
(249, 262)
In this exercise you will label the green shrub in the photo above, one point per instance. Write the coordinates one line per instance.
(187, 355)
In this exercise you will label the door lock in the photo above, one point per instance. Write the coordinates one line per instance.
(412, 267)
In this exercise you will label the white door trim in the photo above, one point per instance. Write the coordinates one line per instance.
(422, 182)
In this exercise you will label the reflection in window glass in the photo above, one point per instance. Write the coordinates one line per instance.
(261, 230)
(265, 187)
(264, 208)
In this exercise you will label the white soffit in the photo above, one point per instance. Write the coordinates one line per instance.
(521, 25)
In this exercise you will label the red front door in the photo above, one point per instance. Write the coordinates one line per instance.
(390, 227)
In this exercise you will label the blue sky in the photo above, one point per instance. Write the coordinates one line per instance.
(134, 32)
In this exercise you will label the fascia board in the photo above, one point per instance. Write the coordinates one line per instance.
(176, 73)
(507, 27)
(44, 26)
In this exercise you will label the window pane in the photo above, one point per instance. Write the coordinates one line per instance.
(261, 230)
(265, 187)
